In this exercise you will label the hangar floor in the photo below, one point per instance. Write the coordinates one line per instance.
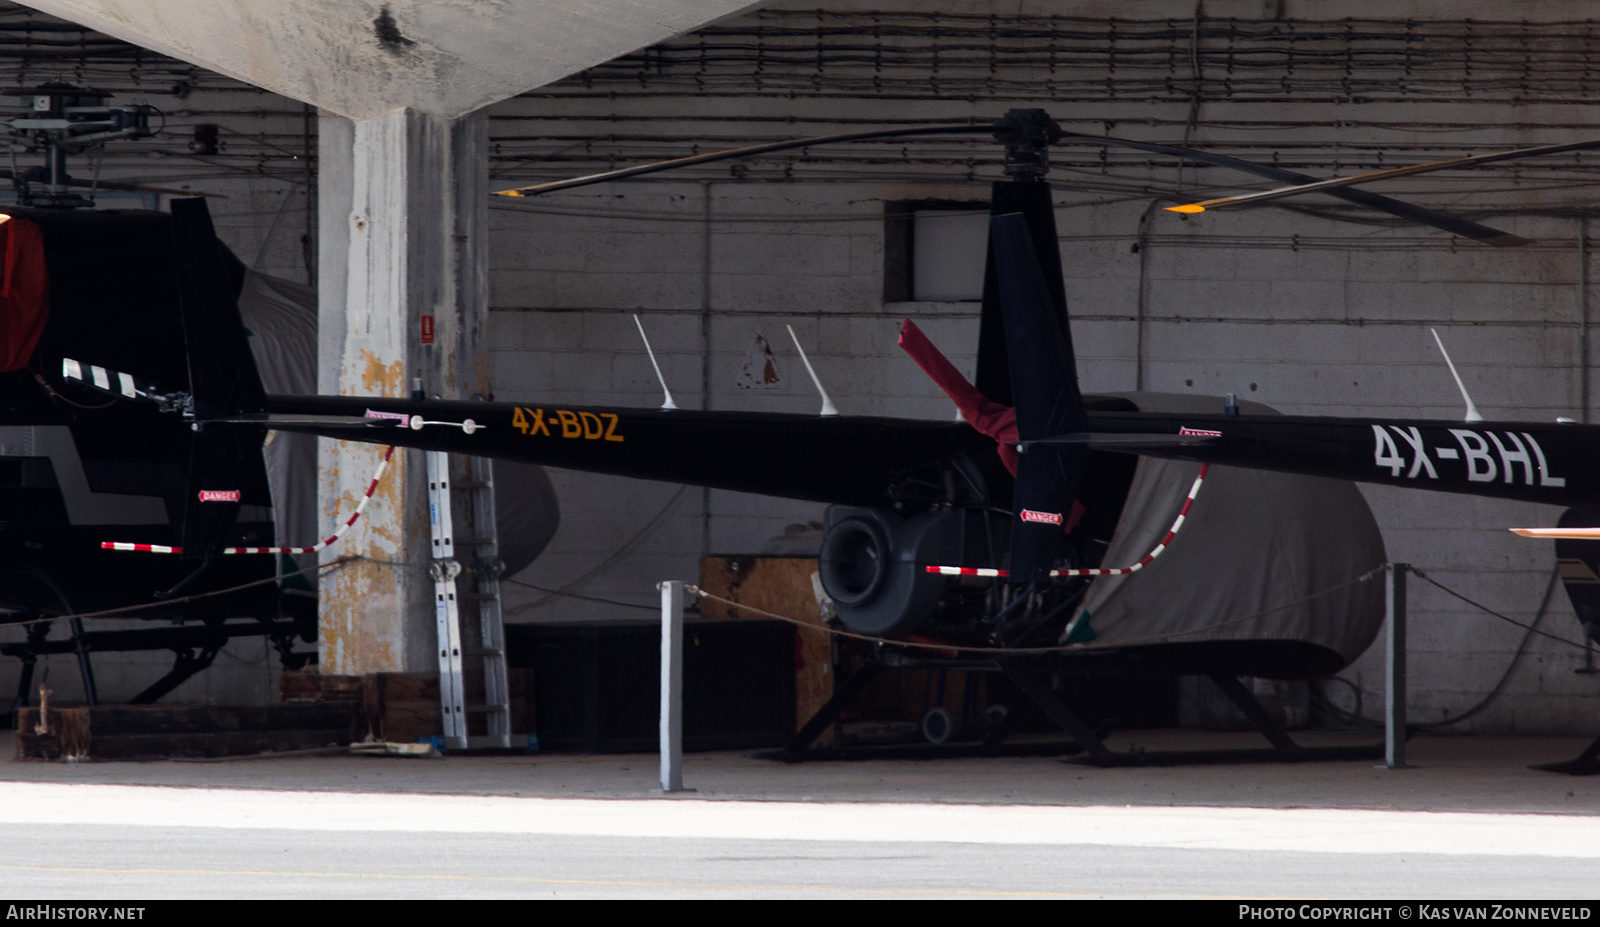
(590, 826)
(1462, 773)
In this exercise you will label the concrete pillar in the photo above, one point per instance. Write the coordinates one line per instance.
(403, 218)
(403, 215)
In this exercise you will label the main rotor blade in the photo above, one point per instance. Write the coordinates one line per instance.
(1440, 220)
(1335, 183)
(123, 186)
(746, 152)
(1582, 534)
(1444, 221)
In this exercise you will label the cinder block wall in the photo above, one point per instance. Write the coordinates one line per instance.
(1315, 308)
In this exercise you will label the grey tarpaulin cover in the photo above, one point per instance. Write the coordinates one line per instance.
(1254, 541)
(282, 318)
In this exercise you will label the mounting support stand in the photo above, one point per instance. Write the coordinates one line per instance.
(1029, 674)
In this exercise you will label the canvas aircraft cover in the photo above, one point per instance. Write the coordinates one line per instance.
(1261, 557)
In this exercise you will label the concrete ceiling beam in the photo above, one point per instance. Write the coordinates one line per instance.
(363, 58)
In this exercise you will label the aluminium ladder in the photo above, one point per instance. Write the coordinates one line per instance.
(485, 568)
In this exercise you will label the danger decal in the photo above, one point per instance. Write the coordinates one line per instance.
(1043, 518)
(219, 495)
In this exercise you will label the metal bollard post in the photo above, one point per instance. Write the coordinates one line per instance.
(671, 686)
(1394, 687)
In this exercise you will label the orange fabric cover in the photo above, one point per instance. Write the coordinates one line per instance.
(24, 291)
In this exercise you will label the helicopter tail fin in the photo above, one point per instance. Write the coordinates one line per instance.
(1044, 388)
(224, 383)
(1031, 200)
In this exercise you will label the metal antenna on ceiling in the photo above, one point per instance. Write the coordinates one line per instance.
(1472, 410)
(667, 404)
(827, 404)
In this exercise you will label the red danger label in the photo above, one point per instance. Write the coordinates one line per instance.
(1046, 518)
(1200, 432)
(219, 495)
(427, 329)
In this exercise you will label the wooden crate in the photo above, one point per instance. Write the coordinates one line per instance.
(781, 586)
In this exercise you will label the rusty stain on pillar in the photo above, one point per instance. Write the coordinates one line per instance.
(402, 223)
(411, 190)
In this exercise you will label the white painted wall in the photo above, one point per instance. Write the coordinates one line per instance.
(1307, 313)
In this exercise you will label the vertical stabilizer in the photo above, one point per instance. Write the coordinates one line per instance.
(1044, 388)
(223, 382)
(1031, 200)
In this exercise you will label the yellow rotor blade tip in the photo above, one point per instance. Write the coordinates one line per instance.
(1188, 209)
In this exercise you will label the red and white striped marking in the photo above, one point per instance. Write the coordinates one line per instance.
(100, 378)
(144, 548)
(966, 571)
(1116, 571)
(328, 542)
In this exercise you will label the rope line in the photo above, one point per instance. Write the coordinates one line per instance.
(1505, 677)
(1155, 552)
(610, 561)
(327, 542)
(323, 567)
(1532, 629)
(1059, 648)
(575, 595)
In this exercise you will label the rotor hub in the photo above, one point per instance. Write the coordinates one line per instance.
(1027, 135)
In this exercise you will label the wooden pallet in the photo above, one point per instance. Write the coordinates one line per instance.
(119, 732)
(396, 707)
